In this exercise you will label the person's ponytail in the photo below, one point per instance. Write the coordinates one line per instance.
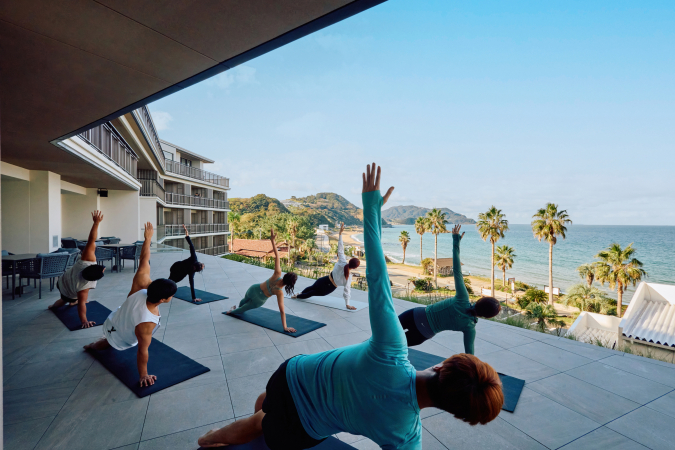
(353, 264)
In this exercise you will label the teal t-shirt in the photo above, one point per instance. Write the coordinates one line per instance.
(451, 313)
(366, 389)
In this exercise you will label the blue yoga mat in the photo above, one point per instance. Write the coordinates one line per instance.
(269, 319)
(184, 293)
(168, 365)
(511, 387)
(259, 444)
(68, 315)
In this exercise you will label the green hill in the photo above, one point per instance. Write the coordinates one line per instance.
(257, 204)
(408, 214)
(326, 208)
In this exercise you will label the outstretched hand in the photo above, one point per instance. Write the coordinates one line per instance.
(149, 231)
(455, 230)
(371, 181)
(342, 227)
(272, 235)
(97, 216)
(186, 230)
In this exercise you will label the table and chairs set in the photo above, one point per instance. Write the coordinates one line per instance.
(50, 266)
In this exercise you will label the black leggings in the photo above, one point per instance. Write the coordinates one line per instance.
(412, 334)
(322, 286)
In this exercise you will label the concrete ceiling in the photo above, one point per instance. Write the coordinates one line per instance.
(68, 65)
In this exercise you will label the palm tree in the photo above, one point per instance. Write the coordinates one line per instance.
(587, 298)
(492, 225)
(544, 315)
(421, 227)
(234, 219)
(548, 224)
(436, 225)
(310, 245)
(587, 273)
(504, 259)
(404, 239)
(618, 267)
(292, 229)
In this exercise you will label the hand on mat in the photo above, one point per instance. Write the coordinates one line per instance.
(186, 231)
(351, 307)
(197, 300)
(88, 323)
(455, 230)
(371, 181)
(148, 380)
(289, 330)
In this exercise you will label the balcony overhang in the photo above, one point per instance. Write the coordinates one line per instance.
(114, 56)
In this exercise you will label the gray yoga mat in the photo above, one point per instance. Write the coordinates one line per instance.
(511, 387)
(184, 293)
(270, 319)
(70, 318)
(168, 365)
(259, 444)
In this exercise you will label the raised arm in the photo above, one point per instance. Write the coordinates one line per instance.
(277, 260)
(341, 247)
(193, 255)
(460, 287)
(89, 253)
(388, 336)
(142, 278)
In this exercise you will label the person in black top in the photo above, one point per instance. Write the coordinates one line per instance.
(187, 267)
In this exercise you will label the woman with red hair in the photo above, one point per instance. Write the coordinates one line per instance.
(340, 276)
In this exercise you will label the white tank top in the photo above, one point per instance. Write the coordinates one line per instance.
(120, 326)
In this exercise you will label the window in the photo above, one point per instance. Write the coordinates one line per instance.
(168, 155)
(186, 162)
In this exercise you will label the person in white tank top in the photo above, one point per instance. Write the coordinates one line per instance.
(134, 323)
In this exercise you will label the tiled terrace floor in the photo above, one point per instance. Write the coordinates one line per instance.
(577, 396)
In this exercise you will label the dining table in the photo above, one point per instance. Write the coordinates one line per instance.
(117, 248)
(14, 260)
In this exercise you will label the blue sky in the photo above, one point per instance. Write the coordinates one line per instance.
(464, 104)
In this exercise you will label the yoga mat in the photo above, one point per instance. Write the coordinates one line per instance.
(333, 302)
(184, 293)
(68, 315)
(271, 320)
(511, 387)
(259, 444)
(169, 366)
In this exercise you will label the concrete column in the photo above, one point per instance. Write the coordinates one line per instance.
(148, 209)
(45, 211)
(122, 215)
(76, 212)
(16, 220)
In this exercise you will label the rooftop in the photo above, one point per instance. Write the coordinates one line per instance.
(576, 396)
(187, 152)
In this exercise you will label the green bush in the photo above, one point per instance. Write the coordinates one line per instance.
(427, 266)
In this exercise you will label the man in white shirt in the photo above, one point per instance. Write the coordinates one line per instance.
(340, 276)
(134, 323)
(74, 285)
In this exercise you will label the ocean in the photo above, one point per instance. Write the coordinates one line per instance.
(655, 247)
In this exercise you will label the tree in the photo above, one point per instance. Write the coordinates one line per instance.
(404, 239)
(548, 224)
(532, 295)
(234, 219)
(492, 225)
(504, 259)
(421, 227)
(544, 315)
(587, 273)
(619, 268)
(588, 298)
(437, 223)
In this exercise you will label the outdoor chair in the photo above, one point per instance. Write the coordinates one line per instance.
(74, 254)
(113, 240)
(43, 266)
(103, 255)
(6, 267)
(82, 244)
(131, 252)
(68, 243)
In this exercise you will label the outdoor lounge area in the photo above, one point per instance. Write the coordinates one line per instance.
(577, 396)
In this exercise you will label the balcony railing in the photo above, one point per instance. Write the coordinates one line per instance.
(195, 228)
(214, 251)
(197, 174)
(145, 119)
(151, 183)
(191, 200)
(108, 142)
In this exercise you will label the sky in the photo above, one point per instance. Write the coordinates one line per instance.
(465, 105)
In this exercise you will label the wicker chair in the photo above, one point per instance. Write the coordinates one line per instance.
(68, 243)
(131, 252)
(43, 266)
(105, 254)
(114, 240)
(74, 254)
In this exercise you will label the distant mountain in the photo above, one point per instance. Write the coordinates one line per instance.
(326, 207)
(256, 204)
(408, 214)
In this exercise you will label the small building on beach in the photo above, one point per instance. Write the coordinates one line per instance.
(444, 266)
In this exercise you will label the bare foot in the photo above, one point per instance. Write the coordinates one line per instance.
(351, 307)
(295, 296)
(231, 309)
(206, 442)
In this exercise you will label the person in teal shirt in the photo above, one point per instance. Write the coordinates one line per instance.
(455, 313)
(367, 389)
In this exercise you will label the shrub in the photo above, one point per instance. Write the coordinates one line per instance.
(427, 266)
(534, 295)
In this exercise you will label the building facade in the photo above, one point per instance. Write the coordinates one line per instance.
(146, 180)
